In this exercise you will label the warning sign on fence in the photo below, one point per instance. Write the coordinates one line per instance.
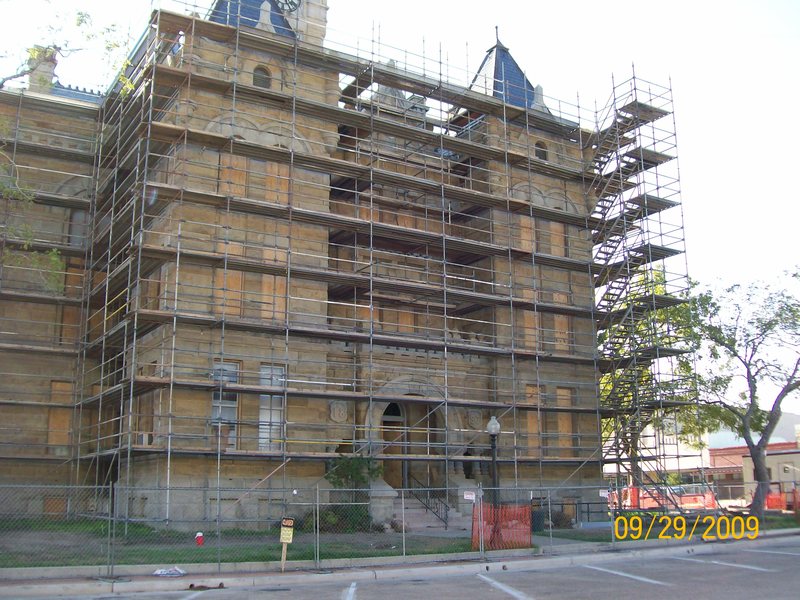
(287, 530)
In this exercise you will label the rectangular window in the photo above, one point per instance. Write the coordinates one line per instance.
(277, 183)
(530, 330)
(232, 175)
(565, 399)
(526, 235)
(228, 293)
(550, 436)
(270, 409)
(224, 404)
(78, 227)
(273, 297)
(533, 395)
(562, 334)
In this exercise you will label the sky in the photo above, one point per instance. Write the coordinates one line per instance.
(734, 68)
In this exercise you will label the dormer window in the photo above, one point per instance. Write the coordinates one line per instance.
(262, 77)
(540, 151)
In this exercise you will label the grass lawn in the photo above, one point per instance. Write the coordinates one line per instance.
(38, 542)
(780, 521)
(600, 534)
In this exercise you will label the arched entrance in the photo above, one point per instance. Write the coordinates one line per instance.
(394, 435)
(415, 428)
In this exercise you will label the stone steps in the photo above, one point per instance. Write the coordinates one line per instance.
(418, 518)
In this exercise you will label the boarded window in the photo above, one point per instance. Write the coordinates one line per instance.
(565, 399)
(228, 292)
(562, 334)
(530, 330)
(232, 175)
(526, 235)
(533, 397)
(277, 183)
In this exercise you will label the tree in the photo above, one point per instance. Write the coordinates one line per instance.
(652, 373)
(17, 247)
(37, 56)
(353, 472)
(16, 201)
(748, 349)
(67, 33)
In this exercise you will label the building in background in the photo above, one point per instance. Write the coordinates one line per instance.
(264, 253)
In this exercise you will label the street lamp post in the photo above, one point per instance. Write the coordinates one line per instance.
(493, 429)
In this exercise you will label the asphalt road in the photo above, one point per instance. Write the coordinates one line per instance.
(731, 571)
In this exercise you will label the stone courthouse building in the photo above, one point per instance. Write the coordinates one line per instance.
(256, 253)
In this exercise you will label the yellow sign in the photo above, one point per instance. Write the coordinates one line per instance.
(287, 530)
(286, 535)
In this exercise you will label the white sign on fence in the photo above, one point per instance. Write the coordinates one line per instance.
(469, 495)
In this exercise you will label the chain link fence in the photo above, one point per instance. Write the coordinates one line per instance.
(110, 526)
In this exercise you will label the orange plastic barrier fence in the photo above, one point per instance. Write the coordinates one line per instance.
(503, 527)
(776, 501)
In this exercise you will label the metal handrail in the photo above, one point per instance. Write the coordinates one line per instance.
(431, 499)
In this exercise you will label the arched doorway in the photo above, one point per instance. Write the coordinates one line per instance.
(429, 430)
(394, 436)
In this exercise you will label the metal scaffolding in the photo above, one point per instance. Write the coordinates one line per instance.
(641, 281)
(298, 250)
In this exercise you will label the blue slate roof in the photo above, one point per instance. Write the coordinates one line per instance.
(500, 76)
(247, 12)
(67, 91)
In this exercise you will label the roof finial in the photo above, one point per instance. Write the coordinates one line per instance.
(497, 33)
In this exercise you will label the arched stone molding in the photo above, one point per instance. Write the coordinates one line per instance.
(410, 386)
(525, 191)
(232, 125)
(280, 135)
(558, 199)
(75, 186)
(553, 198)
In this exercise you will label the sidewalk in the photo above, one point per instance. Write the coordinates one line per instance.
(56, 582)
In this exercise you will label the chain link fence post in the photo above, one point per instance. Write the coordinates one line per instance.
(550, 517)
(481, 549)
(109, 533)
(403, 519)
(316, 530)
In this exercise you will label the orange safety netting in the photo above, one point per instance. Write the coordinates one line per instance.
(775, 501)
(503, 527)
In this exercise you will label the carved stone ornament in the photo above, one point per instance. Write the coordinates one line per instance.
(338, 411)
(474, 419)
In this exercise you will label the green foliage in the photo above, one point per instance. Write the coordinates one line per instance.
(353, 471)
(636, 390)
(345, 518)
(48, 265)
(747, 338)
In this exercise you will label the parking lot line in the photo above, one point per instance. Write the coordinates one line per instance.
(505, 588)
(628, 575)
(725, 564)
(350, 593)
(775, 552)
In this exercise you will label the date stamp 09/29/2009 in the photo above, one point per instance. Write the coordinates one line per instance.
(678, 527)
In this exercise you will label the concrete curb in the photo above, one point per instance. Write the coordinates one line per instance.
(145, 583)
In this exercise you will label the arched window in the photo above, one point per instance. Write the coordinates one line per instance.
(262, 77)
(541, 151)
